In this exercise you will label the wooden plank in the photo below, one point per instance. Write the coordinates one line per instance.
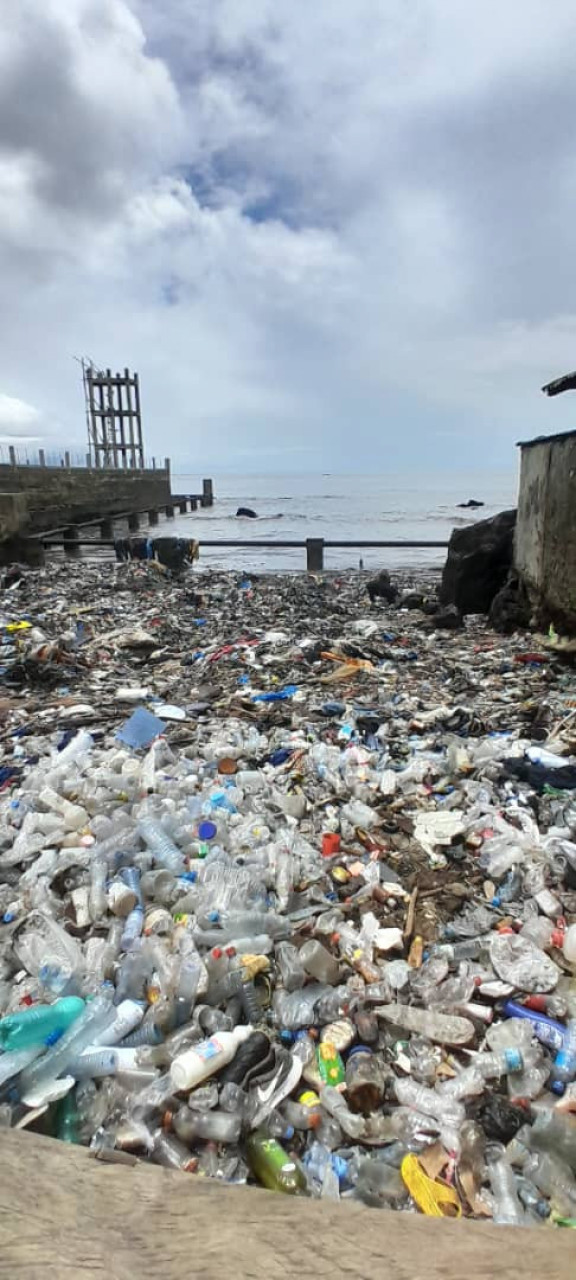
(65, 1215)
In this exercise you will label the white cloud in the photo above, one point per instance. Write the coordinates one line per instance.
(346, 230)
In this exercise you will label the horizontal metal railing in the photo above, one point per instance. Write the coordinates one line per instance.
(314, 547)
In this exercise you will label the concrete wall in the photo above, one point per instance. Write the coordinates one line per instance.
(51, 496)
(545, 551)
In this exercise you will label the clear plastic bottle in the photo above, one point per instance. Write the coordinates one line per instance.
(319, 963)
(441, 1027)
(555, 1132)
(542, 932)
(74, 816)
(508, 1210)
(97, 900)
(207, 1126)
(335, 1104)
(472, 1157)
(171, 1153)
(163, 849)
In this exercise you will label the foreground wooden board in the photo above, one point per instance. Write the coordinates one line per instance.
(64, 1215)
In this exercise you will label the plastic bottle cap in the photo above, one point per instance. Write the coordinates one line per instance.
(359, 1048)
(558, 1087)
(330, 844)
(513, 1059)
(207, 830)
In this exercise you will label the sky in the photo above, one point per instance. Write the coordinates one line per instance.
(338, 236)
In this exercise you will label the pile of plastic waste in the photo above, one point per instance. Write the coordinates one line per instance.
(288, 890)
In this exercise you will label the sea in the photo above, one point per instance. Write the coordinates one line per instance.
(340, 508)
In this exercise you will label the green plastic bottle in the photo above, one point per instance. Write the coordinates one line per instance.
(272, 1165)
(67, 1118)
(330, 1064)
(40, 1024)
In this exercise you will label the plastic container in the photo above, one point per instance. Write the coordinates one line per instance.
(205, 1059)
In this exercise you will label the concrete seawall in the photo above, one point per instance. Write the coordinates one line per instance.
(36, 498)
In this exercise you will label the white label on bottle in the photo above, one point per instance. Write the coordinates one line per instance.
(209, 1048)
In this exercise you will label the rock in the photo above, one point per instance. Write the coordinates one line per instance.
(448, 619)
(411, 600)
(247, 511)
(510, 609)
(478, 562)
(381, 588)
(471, 503)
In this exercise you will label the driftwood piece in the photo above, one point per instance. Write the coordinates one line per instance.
(67, 1217)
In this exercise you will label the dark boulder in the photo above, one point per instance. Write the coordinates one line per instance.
(478, 562)
(447, 619)
(472, 503)
(381, 588)
(247, 511)
(510, 609)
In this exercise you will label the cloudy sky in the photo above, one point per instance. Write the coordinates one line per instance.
(330, 236)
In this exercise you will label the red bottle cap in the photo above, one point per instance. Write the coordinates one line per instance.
(330, 844)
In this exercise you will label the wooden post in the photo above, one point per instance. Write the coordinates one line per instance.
(41, 458)
(314, 555)
(67, 459)
(12, 455)
(207, 493)
(169, 510)
(71, 547)
(153, 516)
(106, 528)
(133, 521)
(140, 448)
(183, 506)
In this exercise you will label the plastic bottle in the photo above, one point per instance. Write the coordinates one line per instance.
(128, 1016)
(555, 1132)
(546, 1030)
(441, 1027)
(206, 1058)
(96, 1015)
(272, 1165)
(97, 900)
(40, 1024)
(542, 932)
(330, 1064)
(518, 961)
(335, 1104)
(171, 1153)
(74, 816)
(319, 963)
(471, 1161)
(290, 965)
(16, 1060)
(305, 1113)
(365, 1081)
(211, 1126)
(508, 1210)
(132, 928)
(163, 849)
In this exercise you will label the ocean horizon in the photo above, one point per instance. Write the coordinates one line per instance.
(396, 506)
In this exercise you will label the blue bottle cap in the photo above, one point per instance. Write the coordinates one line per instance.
(513, 1059)
(558, 1087)
(360, 1048)
(207, 830)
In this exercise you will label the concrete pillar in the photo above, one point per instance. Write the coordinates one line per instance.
(67, 459)
(169, 510)
(193, 504)
(153, 464)
(153, 516)
(41, 458)
(183, 506)
(88, 461)
(12, 455)
(71, 547)
(133, 521)
(106, 528)
(167, 466)
(207, 493)
(314, 555)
